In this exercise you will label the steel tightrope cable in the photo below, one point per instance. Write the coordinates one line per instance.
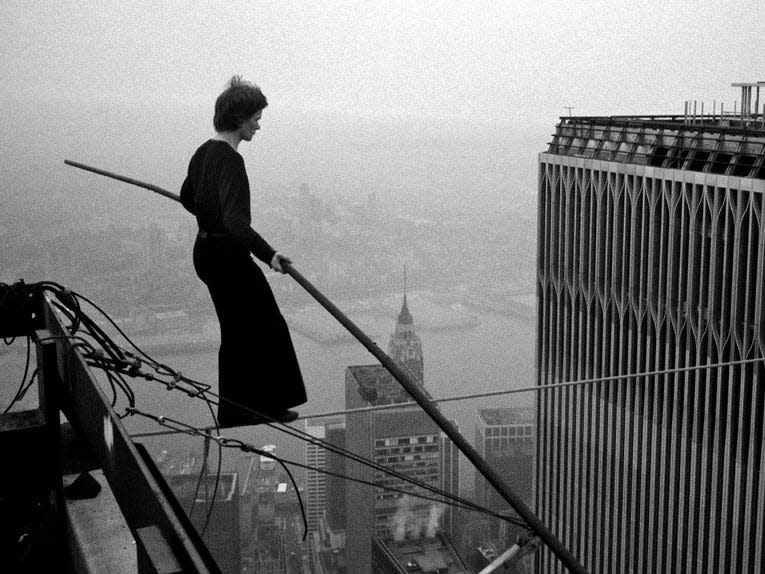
(117, 362)
(306, 437)
(184, 428)
(539, 388)
(411, 386)
(214, 399)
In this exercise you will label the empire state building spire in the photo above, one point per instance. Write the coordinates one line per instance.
(405, 346)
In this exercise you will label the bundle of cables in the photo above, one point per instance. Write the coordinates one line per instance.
(101, 351)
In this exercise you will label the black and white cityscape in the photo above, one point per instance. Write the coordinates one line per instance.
(526, 290)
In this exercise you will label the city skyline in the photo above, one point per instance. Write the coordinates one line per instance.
(572, 157)
(726, 216)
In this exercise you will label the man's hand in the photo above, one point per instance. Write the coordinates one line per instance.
(276, 262)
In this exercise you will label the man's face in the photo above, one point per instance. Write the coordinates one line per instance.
(249, 127)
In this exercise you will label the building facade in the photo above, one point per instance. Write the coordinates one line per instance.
(265, 543)
(651, 259)
(325, 491)
(315, 480)
(405, 346)
(506, 439)
(336, 486)
(499, 433)
(221, 529)
(405, 439)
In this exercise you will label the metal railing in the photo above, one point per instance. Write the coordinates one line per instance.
(163, 534)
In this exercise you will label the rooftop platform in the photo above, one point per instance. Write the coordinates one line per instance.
(426, 555)
(724, 144)
(507, 416)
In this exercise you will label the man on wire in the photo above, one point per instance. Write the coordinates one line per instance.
(258, 373)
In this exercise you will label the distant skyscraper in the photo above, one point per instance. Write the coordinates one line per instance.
(405, 346)
(652, 258)
(506, 439)
(336, 487)
(404, 439)
(221, 531)
(325, 493)
(266, 547)
(316, 481)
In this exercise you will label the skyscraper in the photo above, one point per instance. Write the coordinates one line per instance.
(221, 530)
(651, 258)
(405, 346)
(405, 439)
(506, 438)
(325, 492)
(316, 481)
(266, 544)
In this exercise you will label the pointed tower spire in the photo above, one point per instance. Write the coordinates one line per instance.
(405, 346)
(404, 316)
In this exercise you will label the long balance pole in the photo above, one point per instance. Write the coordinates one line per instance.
(414, 389)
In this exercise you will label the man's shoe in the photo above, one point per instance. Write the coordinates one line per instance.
(286, 416)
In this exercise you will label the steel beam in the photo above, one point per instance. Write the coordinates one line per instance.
(142, 499)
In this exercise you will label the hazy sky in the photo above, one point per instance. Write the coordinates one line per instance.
(113, 80)
(465, 60)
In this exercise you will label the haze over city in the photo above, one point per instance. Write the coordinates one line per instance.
(420, 101)
(401, 139)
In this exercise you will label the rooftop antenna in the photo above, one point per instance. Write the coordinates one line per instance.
(404, 281)
(750, 94)
(569, 108)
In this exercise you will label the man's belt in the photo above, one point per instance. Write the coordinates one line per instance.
(207, 234)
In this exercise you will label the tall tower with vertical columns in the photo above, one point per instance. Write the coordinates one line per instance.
(651, 258)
